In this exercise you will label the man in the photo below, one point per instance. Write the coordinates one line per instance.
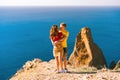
(64, 44)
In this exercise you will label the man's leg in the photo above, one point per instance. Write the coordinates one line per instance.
(65, 62)
(65, 59)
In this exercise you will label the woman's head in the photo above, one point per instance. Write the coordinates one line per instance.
(54, 31)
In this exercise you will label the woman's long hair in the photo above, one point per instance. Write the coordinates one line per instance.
(53, 31)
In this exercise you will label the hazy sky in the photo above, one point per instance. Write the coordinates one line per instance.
(59, 2)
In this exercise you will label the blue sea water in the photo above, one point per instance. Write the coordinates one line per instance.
(24, 33)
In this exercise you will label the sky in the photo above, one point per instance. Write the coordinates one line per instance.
(59, 2)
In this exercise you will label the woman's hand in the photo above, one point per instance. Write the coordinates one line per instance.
(57, 43)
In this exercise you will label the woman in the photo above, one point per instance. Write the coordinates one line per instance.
(56, 39)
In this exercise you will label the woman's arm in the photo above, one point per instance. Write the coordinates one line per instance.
(52, 42)
(55, 43)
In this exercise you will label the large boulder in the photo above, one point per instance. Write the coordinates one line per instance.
(86, 52)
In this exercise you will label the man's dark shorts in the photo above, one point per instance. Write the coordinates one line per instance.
(65, 52)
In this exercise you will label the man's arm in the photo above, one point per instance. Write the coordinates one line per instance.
(62, 39)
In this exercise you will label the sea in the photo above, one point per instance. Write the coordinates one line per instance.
(24, 33)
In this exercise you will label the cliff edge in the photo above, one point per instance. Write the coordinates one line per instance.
(41, 70)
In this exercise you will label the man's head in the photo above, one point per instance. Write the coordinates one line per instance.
(63, 26)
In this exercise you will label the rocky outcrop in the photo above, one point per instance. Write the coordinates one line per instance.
(31, 64)
(112, 65)
(28, 66)
(86, 52)
(117, 67)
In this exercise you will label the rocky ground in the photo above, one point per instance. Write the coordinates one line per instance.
(40, 70)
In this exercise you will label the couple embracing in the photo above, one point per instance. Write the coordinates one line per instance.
(59, 40)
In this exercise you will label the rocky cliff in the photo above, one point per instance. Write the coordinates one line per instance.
(41, 70)
(86, 52)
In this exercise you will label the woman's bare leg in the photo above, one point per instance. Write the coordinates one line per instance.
(57, 62)
(60, 59)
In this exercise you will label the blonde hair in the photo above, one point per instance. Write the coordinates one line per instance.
(63, 24)
(53, 31)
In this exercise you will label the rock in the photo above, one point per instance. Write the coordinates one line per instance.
(28, 66)
(112, 65)
(86, 52)
(41, 72)
(117, 67)
(31, 64)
